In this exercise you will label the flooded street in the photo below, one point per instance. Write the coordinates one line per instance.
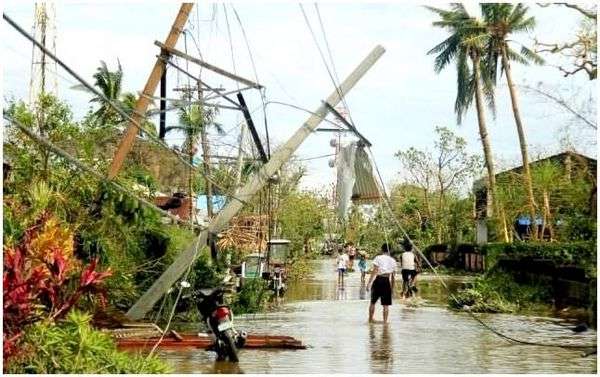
(422, 337)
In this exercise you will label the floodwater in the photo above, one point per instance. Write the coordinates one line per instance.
(422, 336)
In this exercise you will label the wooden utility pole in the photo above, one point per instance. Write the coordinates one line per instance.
(142, 103)
(254, 184)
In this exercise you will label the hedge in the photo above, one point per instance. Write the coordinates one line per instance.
(580, 253)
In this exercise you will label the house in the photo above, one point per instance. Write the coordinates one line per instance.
(575, 164)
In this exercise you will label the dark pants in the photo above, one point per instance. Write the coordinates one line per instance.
(382, 288)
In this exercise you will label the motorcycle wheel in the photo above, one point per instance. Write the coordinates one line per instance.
(231, 349)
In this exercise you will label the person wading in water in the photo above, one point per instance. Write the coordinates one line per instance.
(381, 282)
(341, 265)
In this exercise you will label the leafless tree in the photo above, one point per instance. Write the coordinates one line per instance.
(580, 51)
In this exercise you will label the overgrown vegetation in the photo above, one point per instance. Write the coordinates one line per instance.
(73, 346)
(497, 292)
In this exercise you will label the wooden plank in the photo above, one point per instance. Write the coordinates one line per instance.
(173, 51)
(143, 101)
(205, 341)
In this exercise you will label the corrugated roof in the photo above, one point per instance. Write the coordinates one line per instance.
(365, 190)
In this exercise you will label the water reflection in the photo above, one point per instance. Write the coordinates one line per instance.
(362, 293)
(341, 294)
(381, 348)
(225, 367)
(334, 324)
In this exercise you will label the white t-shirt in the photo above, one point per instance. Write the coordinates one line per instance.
(342, 261)
(408, 260)
(385, 264)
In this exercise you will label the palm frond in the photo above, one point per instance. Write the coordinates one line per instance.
(464, 93)
(531, 56)
(515, 56)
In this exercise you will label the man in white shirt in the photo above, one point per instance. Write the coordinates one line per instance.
(382, 281)
(409, 269)
(342, 264)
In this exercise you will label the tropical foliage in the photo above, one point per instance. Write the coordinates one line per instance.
(74, 346)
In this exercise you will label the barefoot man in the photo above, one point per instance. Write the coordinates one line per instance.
(381, 282)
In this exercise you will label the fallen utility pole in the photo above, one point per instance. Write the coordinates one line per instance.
(142, 103)
(254, 184)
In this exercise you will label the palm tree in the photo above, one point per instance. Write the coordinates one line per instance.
(109, 83)
(467, 41)
(502, 20)
(193, 122)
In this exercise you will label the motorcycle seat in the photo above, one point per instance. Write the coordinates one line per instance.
(207, 292)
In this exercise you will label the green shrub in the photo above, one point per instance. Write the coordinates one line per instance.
(581, 253)
(497, 292)
(252, 298)
(73, 346)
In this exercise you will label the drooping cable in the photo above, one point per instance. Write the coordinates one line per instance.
(388, 205)
(335, 75)
(81, 166)
(117, 107)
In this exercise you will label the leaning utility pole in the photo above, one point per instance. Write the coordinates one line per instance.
(254, 184)
(142, 103)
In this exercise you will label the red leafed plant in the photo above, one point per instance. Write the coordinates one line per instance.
(40, 279)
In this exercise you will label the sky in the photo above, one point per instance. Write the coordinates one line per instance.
(396, 105)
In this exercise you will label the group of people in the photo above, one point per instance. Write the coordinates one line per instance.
(383, 273)
(345, 262)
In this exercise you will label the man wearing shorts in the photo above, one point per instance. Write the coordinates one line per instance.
(381, 282)
(409, 270)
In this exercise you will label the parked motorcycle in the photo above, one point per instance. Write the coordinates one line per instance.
(219, 319)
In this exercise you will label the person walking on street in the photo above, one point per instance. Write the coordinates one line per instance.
(409, 269)
(381, 282)
(362, 265)
(342, 265)
(351, 250)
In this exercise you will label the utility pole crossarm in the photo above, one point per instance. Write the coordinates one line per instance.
(185, 259)
(347, 124)
(143, 101)
(183, 55)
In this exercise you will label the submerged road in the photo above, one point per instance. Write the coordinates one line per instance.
(422, 336)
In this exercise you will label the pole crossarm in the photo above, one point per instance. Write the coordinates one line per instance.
(254, 184)
(215, 91)
(173, 51)
(347, 124)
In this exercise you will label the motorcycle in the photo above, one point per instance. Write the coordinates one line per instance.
(277, 281)
(219, 319)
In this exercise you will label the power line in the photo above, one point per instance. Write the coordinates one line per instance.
(262, 91)
(74, 161)
(337, 80)
(314, 37)
(115, 106)
(481, 322)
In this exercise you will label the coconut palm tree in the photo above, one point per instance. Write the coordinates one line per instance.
(467, 41)
(194, 122)
(503, 20)
(109, 82)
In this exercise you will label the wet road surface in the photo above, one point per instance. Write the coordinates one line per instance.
(422, 336)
